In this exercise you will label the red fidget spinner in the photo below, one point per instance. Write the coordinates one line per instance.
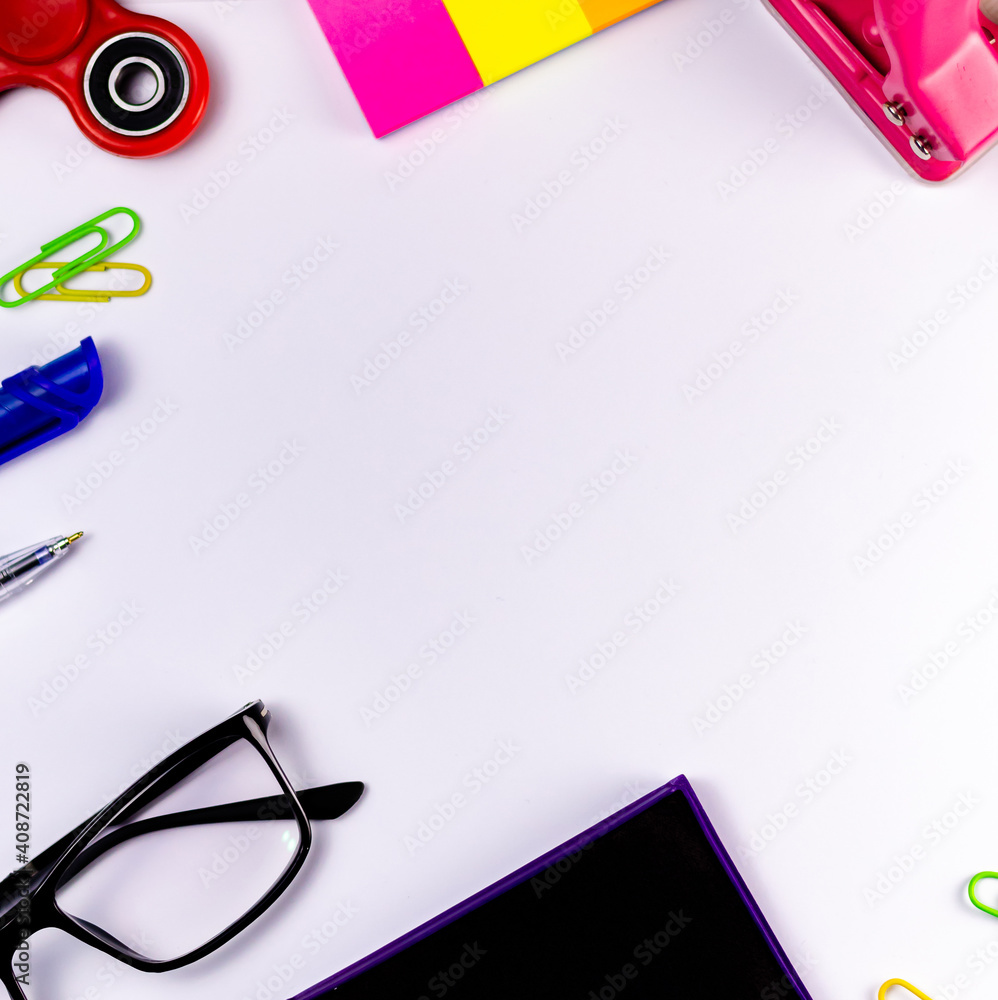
(136, 85)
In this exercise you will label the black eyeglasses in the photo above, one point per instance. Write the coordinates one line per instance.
(172, 869)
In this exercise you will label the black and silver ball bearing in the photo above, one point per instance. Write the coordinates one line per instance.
(110, 68)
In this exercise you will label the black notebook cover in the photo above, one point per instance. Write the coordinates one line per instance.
(644, 906)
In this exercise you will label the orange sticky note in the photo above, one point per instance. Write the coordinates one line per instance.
(602, 13)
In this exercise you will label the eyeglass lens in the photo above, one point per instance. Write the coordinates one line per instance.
(166, 893)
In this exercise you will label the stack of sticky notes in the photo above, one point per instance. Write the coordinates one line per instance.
(406, 58)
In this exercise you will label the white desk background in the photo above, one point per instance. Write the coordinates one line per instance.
(582, 750)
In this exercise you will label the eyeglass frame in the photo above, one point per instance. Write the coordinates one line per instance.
(35, 885)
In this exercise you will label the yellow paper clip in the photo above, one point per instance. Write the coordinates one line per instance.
(913, 990)
(64, 294)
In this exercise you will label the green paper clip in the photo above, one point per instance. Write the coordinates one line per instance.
(87, 259)
(973, 896)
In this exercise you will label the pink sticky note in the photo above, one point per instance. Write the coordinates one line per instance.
(402, 58)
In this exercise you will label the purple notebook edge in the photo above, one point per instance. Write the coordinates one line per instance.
(679, 784)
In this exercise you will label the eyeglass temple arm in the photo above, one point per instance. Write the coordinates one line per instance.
(324, 802)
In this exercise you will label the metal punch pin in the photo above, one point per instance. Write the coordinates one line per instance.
(921, 147)
(895, 112)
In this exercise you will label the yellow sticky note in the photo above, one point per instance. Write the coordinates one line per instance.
(503, 36)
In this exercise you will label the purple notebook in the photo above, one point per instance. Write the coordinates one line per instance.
(646, 905)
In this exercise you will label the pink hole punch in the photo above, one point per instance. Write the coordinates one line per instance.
(923, 72)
